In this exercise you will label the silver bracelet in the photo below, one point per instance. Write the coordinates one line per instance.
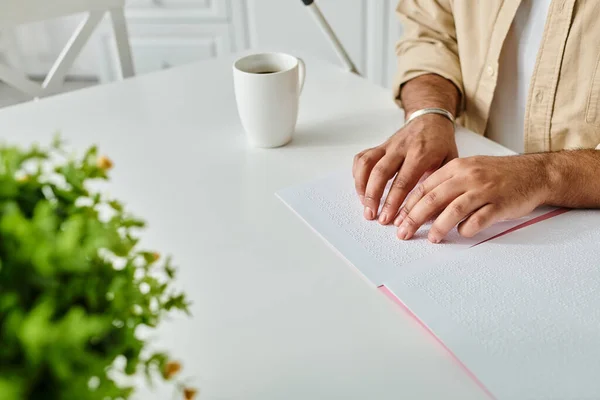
(425, 111)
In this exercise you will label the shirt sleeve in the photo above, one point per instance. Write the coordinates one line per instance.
(428, 44)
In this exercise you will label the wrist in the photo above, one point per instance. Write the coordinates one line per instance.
(569, 177)
(436, 122)
(550, 176)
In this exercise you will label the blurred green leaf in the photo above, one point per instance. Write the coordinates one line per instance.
(115, 205)
(11, 388)
(36, 331)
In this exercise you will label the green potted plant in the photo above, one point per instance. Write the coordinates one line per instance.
(75, 288)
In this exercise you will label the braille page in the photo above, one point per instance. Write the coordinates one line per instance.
(470, 144)
(332, 208)
(521, 312)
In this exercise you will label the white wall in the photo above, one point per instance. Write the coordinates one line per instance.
(367, 28)
(165, 33)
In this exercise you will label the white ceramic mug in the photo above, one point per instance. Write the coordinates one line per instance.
(267, 91)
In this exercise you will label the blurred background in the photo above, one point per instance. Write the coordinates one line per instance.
(168, 33)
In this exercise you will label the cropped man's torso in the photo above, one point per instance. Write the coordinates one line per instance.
(563, 107)
(516, 65)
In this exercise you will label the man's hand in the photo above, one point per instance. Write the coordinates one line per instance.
(476, 192)
(423, 145)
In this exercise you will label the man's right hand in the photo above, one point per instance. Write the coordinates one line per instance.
(422, 146)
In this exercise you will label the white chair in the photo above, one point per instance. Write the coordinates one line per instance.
(17, 12)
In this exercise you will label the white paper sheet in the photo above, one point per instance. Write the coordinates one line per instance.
(522, 311)
(332, 208)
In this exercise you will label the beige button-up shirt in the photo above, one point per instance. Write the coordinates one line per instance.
(461, 40)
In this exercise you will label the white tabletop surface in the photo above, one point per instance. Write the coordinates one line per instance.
(276, 313)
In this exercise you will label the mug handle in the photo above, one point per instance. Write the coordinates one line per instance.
(301, 74)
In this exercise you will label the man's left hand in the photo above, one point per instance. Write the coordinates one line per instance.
(474, 193)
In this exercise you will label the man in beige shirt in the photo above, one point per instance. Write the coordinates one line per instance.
(456, 58)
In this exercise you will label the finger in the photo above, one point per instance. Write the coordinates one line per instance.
(455, 212)
(481, 219)
(355, 161)
(427, 174)
(411, 172)
(434, 180)
(392, 201)
(364, 166)
(383, 171)
(429, 205)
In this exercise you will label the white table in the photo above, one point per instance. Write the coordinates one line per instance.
(276, 314)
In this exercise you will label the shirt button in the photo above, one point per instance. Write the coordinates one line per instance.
(490, 70)
(539, 96)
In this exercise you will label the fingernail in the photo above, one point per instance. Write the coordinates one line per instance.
(369, 213)
(362, 198)
(433, 238)
(402, 233)
(383, 218)
(399, 220)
